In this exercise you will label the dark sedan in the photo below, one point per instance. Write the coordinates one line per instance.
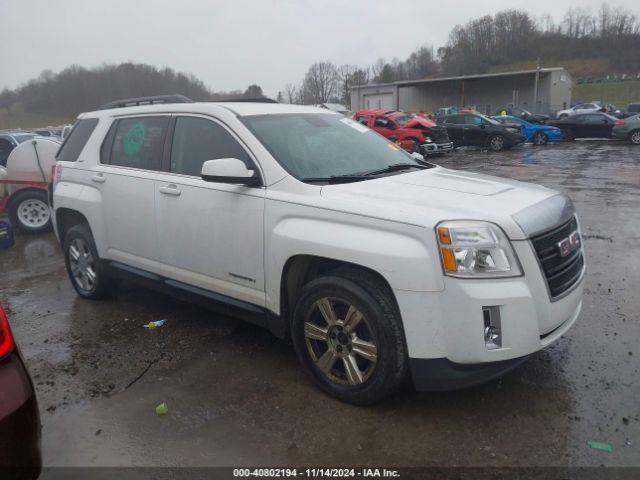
(19, 417)
(586, 125)
(474, 129)
(628, 129)
(523, 114)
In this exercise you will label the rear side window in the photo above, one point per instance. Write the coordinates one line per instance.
(364, 120)
(196, 140)
(138, 143)
(76, 140)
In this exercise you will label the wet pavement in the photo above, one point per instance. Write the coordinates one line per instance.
(237, 396)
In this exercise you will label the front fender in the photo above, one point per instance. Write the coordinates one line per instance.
(405, 255)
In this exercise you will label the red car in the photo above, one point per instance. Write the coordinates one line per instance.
(414, 133)
(20, 456)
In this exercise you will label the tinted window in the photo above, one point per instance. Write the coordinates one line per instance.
(472, 120)
(364, 120)
(77, 139)
(455, 119)
(634, 107)
(197, 140)
(138, 142)
(594, 119)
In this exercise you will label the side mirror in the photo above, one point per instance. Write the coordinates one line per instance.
(229, 170)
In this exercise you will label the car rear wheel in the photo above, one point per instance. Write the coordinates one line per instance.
(540, 138)
(496, 143)
(634, 137)
(348, 335)
(83, 264)
(29, 211)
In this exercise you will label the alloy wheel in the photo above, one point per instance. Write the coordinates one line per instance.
(33, 213)
(497, 143)
(340, 341)
(635, 137)
(82, 266)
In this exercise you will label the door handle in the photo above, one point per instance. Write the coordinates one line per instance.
(171, 190)
(98, 178)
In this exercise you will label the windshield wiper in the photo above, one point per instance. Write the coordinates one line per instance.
(394, 168)
(336, 179)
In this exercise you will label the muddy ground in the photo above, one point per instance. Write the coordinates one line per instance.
(237, 396)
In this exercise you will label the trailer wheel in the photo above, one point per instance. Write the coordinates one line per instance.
(29, 211)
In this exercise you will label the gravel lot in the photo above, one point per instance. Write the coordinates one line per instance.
(237, 396)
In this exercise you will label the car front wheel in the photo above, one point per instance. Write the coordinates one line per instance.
(348, 335)
(634, 137)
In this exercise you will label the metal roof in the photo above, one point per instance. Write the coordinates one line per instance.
(462, 77)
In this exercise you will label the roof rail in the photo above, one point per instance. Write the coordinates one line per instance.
(248, 100)
(132, 102)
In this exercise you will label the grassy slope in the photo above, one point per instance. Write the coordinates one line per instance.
(618, 93)
(18, 118)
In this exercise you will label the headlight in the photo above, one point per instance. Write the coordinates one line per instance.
(471, 249)
(428, 140)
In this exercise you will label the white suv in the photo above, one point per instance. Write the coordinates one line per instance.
(376, 263)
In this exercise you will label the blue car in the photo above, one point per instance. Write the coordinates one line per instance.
(534, 133)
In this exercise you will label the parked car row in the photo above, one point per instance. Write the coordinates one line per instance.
(418, 133)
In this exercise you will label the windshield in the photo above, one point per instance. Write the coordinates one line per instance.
(315, 145)
(402, 119)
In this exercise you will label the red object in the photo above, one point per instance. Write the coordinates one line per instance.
(619, 123)
(4, 202)
(20, 454)
(406, 129)
(6, 339)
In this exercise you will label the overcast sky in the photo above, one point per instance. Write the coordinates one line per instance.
(230, 44)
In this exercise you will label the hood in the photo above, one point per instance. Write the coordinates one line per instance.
(429, 196)
(419, 122)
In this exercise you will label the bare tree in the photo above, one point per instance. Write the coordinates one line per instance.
(345, 77)
(290, 93)
(320, 82)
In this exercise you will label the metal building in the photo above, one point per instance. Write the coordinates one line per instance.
(543, 90)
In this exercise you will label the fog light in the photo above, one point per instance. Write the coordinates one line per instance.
(492, 327)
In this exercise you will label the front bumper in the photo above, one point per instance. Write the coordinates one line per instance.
(434, 148)
(445, 330)
(441, 375)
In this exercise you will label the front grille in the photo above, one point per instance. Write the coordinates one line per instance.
(560, 272)
(439, 134)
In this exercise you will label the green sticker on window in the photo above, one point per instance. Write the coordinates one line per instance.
(134, 139)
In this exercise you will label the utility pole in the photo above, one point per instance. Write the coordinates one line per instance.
(535, 87)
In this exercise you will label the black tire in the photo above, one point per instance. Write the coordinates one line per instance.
(496, 143)
(634, 137)
(29, 211)
(101, 285)
(540, 138)
(380, 318)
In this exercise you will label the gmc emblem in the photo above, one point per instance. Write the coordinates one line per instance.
(568, 245)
